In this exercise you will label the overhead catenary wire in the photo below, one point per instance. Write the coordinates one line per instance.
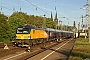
(46, 3)
(44, 8)
(36, 6)
(49, 2)
(40, 7)
(13, 8)
(6, 8)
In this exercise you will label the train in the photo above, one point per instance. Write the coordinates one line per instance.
(29, 35)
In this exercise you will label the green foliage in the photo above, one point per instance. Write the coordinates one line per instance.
(75, 58)
(38, 21)
(81, 49)
(31, 20)
(50, 23)
(9, 24)
(15, 20)
(82, 41)
(3, 27)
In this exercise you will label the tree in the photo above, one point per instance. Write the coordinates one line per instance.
(31, 19)
(50, 23)
(15, 20)
(8, 28)
(3, 28)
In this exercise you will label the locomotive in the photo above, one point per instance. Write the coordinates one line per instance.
(29, 35)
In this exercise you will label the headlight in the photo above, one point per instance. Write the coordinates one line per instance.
(15, 43)
(28, 37)
(16, 37)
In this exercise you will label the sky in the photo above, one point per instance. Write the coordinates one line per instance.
(70, 9)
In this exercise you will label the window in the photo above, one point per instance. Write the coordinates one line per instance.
(22, 31)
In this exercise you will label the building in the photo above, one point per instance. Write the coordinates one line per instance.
(56, 20)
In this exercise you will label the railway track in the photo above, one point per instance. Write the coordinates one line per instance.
(4, 53)
(34, 50)
(39, 51)
(2, 45)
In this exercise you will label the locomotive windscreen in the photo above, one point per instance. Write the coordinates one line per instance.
(22, 31)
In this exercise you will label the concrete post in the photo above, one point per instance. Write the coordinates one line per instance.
(88, 16)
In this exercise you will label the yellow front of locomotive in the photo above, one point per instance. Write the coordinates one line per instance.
(23, 35)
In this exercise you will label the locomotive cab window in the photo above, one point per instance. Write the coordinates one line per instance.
(22, 31)
(19, 30)
(25, 30)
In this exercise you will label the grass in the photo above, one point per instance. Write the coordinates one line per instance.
(81, 49)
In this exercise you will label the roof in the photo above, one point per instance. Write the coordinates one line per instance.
(30, 27)
(41, 28)
(53, 30)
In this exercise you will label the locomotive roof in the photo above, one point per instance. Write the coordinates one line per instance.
(41, 28)
(31, 27)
